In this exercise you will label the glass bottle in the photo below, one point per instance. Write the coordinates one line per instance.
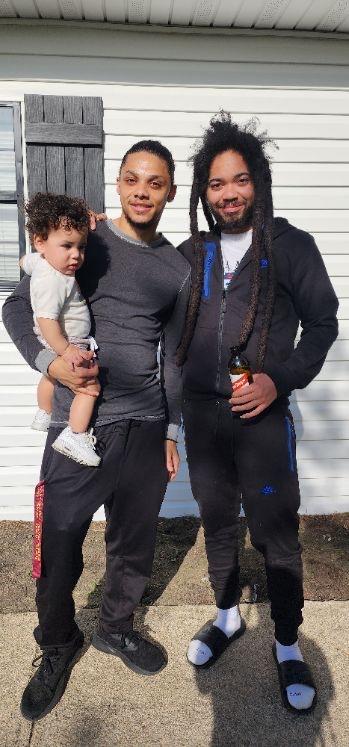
(240, 373)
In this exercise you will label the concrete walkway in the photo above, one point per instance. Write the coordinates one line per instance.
(235, 703)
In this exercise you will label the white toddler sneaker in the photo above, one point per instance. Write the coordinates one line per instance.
(41, 420)
(77, 446)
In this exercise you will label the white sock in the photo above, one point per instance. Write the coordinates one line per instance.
(229, 621)
(298, 696)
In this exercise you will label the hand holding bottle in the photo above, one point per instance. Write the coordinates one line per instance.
(255, 398)
(251, 393)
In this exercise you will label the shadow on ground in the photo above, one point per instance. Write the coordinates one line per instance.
(249, 673)
(236, 703)
(180, 567)
(175, 537)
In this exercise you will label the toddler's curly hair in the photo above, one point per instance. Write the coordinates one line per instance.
(46, 212)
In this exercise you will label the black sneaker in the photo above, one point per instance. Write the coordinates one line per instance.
(47, 685)
(136, 652)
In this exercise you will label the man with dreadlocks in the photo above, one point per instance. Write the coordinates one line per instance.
(254, 279)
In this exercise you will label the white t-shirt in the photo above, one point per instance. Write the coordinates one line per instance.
(234, 246)
(56, 296)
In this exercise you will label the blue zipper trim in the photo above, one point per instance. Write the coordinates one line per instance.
(223, 308)
(220, 337)
(210, 249)
(290, 444)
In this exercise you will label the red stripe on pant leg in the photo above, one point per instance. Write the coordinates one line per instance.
(38, 519)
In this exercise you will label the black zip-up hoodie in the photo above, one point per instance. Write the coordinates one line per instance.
(303, 294)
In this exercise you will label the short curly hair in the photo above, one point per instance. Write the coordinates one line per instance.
(47, 212)
(156, 149)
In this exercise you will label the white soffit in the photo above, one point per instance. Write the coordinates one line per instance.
(301, 15)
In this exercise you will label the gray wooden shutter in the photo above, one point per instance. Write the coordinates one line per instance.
(64, 139)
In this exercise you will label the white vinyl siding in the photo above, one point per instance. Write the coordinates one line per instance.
(311, 189)
(326, 15)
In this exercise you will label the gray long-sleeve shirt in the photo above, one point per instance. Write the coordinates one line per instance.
(137, 294)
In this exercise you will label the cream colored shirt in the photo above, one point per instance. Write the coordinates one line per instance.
(56, 296)
(234, 247)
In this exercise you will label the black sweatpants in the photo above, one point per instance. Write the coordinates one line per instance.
(131, 481)
(229, 458)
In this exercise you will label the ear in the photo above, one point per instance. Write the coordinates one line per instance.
(39, 244)
(118, 185)
(172, 193)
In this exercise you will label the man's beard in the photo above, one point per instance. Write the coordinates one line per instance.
(231, 224)
(139, 225)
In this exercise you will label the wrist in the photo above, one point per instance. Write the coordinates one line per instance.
(44, 359)
(63, 349)
(51, 365)
(172, 432)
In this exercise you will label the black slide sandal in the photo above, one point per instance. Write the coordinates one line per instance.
(294, 673)
(216, 641)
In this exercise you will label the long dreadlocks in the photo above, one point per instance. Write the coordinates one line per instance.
(222, 135)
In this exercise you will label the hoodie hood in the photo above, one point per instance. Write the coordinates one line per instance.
(281, 225)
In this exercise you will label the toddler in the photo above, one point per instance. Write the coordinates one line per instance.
(58, 228)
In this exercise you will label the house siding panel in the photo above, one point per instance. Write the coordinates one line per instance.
(311, 189)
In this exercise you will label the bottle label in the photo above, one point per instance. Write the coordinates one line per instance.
(238, 381)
